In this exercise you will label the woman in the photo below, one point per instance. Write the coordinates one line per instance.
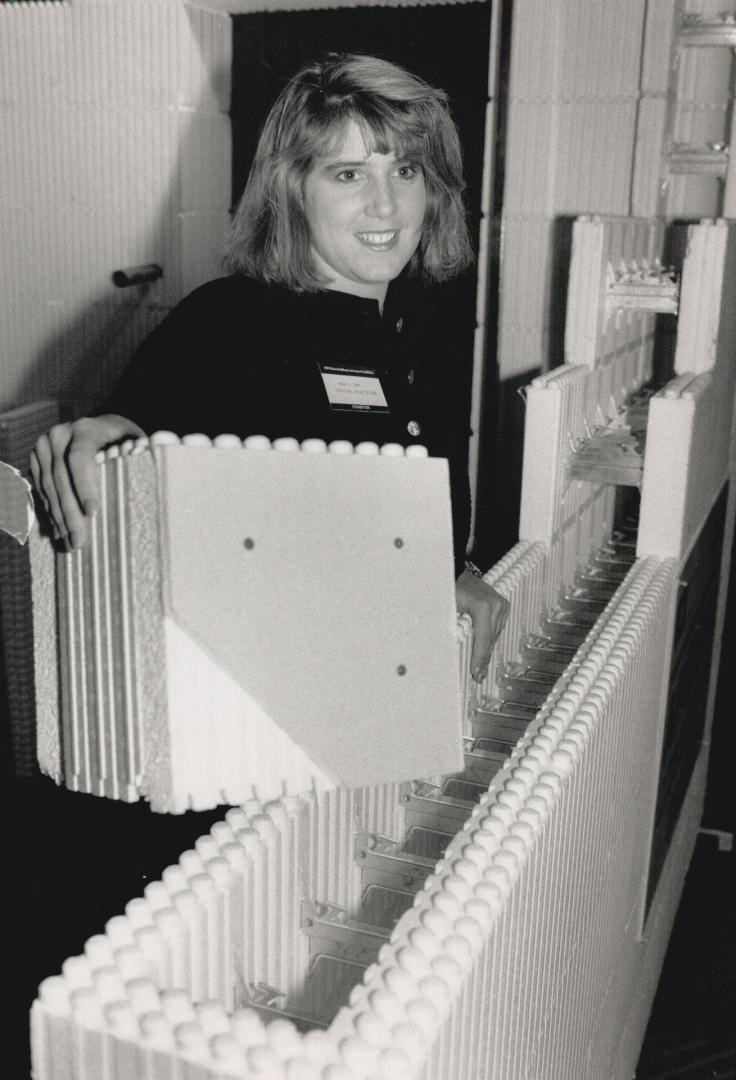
(330, 324)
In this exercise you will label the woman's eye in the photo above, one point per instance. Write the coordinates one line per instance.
(347, 175)
(407, 172)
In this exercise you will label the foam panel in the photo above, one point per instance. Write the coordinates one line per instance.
(607, 255)
(252, 576)
(571, 516)
(689, 429)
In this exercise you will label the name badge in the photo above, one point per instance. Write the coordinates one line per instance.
(353, 388)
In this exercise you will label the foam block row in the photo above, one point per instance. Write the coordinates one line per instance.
(208, 634)
(687, 460)
(486, 974)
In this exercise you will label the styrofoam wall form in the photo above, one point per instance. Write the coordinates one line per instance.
(511, 964)
(703, 85)
(116, 153)
(592, 334)
(123, 721)
(573, 94)
(706, 333)
(688, 452)
(656, 107)
(685, 95)
(586, 955)
(115, 743)
(686, 464)
(572, 517)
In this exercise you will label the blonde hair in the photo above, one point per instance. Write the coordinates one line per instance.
(396, 112)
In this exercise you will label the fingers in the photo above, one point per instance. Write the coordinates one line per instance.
(63, 471)
(488, 610)
(483, 639)
(43, 471)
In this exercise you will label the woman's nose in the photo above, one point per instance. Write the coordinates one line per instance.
(381, 201)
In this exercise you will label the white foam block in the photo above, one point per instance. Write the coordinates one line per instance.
(323, 585)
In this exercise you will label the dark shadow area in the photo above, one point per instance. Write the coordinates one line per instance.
(558, 286)
(691, 1033)
(689, 676)
(720, 797)
(501, 458)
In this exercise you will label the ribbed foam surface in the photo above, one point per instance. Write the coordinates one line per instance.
(520, 576)
(609, 252)
(19, 429)
(116, 154)
(571, 516)
(706, 332)
(508, 963)
(213, 574)
(573, 95)
(689, 428)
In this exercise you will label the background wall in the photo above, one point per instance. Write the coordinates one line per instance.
(116, 153)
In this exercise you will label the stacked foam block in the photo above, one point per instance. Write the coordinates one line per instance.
(141, 650)
(177, 983)
(617, 285)
(573, 95)
(596, 331)
(701, 170)
(19, 430)
(688, 436)
(682, 166)
(572, 517)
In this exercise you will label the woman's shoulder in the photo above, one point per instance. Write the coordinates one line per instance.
(232, 293)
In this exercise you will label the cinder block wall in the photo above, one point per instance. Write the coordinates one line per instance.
(116, 153)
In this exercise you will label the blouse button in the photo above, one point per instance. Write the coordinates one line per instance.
(399, 325)
(410, 377)
(414, 428)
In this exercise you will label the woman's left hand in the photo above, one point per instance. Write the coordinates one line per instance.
(489, 610)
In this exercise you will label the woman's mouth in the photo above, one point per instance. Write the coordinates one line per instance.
(379, 241)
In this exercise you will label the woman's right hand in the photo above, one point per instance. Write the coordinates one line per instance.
(63, 470)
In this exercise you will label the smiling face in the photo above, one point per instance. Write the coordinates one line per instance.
(365, 212)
